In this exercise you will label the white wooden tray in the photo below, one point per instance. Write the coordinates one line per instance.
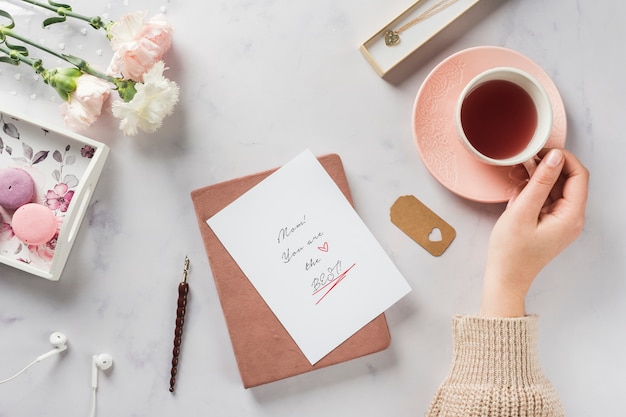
(65, 167)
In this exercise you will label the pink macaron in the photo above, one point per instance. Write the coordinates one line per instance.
(16, 188)
(34, 224)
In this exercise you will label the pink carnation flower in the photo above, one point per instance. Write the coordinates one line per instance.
(59, 198)
(85, 103)
(138, 44)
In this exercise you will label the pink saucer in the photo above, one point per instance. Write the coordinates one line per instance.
(436, 135)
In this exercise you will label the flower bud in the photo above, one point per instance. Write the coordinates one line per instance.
(63, 80)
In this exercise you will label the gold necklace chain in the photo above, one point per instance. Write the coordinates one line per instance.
(392, 37)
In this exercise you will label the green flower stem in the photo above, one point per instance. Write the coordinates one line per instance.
(79, 63)
(8, 32)
(35, 63)
(125, 88)
(63, 90)
(61, 10)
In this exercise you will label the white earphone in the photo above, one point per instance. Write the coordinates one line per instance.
(58, 340)
(100, 362)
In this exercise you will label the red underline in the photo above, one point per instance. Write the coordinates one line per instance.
(334, 284)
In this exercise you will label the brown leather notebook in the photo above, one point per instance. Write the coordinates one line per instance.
(263, 349)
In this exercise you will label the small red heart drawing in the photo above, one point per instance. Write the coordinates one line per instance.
(324, 247)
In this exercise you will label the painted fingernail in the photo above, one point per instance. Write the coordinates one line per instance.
(554, 158)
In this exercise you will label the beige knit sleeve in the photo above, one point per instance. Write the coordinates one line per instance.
(495, 372)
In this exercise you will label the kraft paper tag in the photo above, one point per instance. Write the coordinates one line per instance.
(422, 224)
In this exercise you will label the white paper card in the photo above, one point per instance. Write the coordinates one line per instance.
(309, 255)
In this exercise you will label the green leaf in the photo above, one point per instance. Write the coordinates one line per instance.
(65, 6)
(20, 49)
(9, 60)
(8, 16)
(52, 20)
(74, 60)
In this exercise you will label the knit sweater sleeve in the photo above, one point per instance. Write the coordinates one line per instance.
(495, 372)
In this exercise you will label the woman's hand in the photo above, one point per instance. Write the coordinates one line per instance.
(539, 222)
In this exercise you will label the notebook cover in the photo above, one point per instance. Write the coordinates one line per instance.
(263, 349)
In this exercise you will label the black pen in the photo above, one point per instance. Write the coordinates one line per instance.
(183, 290)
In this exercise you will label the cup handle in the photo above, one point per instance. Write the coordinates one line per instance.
(530, 165)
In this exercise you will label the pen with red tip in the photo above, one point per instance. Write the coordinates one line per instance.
(183, 290)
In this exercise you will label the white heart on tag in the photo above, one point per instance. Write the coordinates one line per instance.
(435, 235)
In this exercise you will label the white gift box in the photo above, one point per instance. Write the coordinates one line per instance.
(384, 58)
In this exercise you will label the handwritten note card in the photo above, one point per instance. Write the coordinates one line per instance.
(309, 255)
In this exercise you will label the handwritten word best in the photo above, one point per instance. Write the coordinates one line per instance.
(328, 280)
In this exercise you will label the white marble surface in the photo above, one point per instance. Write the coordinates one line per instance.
(260, 81)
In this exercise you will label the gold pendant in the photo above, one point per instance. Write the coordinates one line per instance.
(392, 38)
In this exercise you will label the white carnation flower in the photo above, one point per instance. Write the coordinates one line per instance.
(155, 99)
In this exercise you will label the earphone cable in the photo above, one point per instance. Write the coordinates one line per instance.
(20, 372)
(93, 403)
